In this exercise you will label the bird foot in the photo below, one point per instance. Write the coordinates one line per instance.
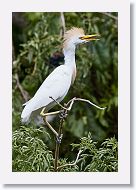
(59, 138)
(63, 114)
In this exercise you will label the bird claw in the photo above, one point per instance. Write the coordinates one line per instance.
(59, 138)
(63, 114)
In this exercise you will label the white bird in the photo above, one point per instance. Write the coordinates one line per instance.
(57, 84)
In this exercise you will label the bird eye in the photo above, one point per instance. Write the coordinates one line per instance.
(81, 38)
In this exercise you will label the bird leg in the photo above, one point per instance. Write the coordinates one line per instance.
(44, 115)
(62, 114)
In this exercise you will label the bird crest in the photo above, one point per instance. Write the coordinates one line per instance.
(74, 31)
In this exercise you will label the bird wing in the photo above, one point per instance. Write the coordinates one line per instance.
(55, 85)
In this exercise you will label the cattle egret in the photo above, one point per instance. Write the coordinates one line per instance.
(57, 84)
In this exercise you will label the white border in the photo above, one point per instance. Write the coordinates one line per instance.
(9, 177)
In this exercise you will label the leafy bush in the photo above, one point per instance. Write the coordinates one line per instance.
(98, 159)
(31, 154)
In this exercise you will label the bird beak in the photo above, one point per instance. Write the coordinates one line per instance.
(90, 37)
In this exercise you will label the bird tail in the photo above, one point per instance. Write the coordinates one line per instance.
(26, 113)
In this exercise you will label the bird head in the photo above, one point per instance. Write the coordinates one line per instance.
(76, 36)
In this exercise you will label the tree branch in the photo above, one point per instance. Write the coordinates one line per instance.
(110, 15)
(83, 100)
(63, 29)
(58, 142)
(23, 92)
(71, 164)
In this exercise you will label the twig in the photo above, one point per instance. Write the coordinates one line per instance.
(62, 18)
(35, 67)
(110, 15)
(71, 164)
(58, 142)
(23, 92)
(58, 103)
(71, 102)
(83, 100)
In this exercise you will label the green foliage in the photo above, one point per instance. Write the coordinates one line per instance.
(30, 152)
(98, 159)
(67, 167)
(34, 45)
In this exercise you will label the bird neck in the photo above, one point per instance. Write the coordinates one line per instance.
(69, 57)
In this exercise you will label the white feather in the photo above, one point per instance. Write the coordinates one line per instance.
(56, 85)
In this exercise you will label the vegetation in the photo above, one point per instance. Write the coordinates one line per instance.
(30, 153)
(37, 50)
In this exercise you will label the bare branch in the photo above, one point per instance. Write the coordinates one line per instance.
(71, 102)
(23, 92)
(62, 18)
(110, 15)
(82, 100)
(58, 103)
(71, 164)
